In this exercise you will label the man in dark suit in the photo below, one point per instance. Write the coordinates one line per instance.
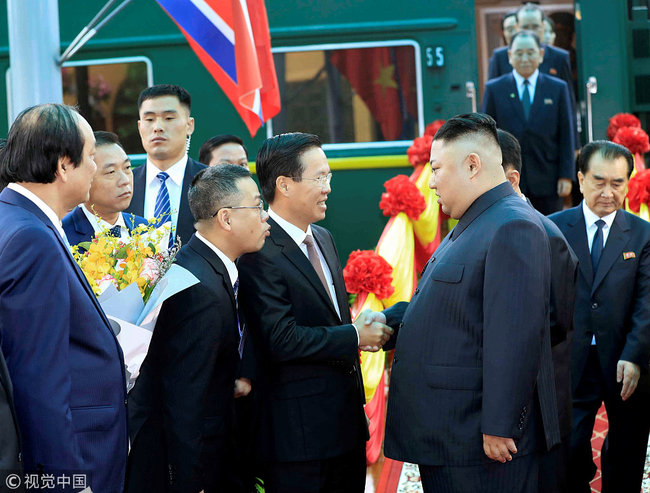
(181, 405)
(564, 263)
(161, 185)
(611, 344)
(10, 455)
(64, 361)
(535, 108)
(224, 149)
(110, 194)
(313, 430)
(471, 397)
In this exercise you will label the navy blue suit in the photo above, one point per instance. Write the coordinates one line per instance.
(612, 304)
(185, 224)
(546, 137)
(473, 351)
(63, 358)
(78, 229)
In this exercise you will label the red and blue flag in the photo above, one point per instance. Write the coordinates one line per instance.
(232, 40)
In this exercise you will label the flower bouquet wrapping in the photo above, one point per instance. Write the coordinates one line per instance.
(131, 280)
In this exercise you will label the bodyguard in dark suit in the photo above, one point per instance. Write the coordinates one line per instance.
(471, 396)
(64, 361)
(535, 108)
(564, 263)
(182, 404)
(161, 185)
(110, 194)
(313, 430)
(611, 344)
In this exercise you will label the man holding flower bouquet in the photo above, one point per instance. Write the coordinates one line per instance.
(181, 407)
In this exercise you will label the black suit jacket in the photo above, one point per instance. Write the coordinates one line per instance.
(546, 138)
(78, 229)
(612, 303)
(9, 434)
(474, 341)
(564, 272)
(185, 225)
(309, 379)
(180, 408)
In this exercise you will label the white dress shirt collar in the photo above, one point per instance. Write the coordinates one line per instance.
(590, 223)
(233, 274)
(532, 84)
(176, 171)
(296, 234)
(100, 224)
(38, 202)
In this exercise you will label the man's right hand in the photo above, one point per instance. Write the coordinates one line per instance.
(372, 329)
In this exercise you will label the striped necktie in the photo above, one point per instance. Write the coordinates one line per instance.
(162, 210)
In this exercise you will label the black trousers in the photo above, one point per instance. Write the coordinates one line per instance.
(342, 474)
(624, 450)
(553, 468)
(547, 204)
(517, 476)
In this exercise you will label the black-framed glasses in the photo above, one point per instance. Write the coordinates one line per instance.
(323, 180)
(259, 207)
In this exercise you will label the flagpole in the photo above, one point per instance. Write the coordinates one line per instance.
(82, 33)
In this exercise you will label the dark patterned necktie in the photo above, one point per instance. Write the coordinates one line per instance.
(240, 326)
(116, 231)
(525, 98)
(597, 245)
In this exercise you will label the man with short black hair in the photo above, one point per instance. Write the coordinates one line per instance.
(509, 26)
(536, 109)
(160, 186)
(110, 194)
(564, 263)
(182, 404)
(313, 428)
(611, 343)
(471, 397)
(63, 358)
(224, 149)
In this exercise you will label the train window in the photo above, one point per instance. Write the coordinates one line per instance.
(106, 93)
(353, 95)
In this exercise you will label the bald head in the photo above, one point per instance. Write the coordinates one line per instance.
(465, 161)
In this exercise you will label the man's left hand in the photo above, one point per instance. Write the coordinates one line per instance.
(628, 373)
(242, 387)
(564, 187)
(499, 448)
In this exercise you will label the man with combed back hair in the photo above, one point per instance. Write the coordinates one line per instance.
(472, 397)
(63, 358)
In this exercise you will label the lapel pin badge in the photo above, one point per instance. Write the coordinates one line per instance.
(628, 255)
(548, 101)
(552, 71)
(512, 95)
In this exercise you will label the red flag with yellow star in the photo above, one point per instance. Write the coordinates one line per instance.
(371, 72)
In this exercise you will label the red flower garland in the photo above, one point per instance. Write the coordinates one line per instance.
(638, 190)
(420, 150)
(368, 272)
(634, 138)
(433, 127)
(620, 120)
(402, 196)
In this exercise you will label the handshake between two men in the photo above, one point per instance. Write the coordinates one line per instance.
(373, 331)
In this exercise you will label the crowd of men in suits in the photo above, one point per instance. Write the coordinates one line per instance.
(521, 325)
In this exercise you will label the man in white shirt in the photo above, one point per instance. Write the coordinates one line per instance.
(161, 186)
(110, 194)
(63, 358)
(611, 343)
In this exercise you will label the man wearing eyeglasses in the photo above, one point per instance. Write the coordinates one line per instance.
(181, 408)
(313, 428)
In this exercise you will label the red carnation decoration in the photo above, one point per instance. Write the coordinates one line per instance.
(368, 272)
(402, 196)
(433, 127)
(620, 120)
(634, 138)
(420, 150)
(638, 190)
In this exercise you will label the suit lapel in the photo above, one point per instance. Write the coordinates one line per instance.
(139, 185)
(185, 223)
(537, 104)
(81, 223)
(576, 235)
(616, 240)
(515, 102)
(217, 265)
(296, 256)
(333, 263)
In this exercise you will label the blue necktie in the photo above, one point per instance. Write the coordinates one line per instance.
(597, 245)
(525, 99)
(162, 210)
(115, 231)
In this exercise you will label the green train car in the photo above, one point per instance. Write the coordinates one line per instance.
(365, 75)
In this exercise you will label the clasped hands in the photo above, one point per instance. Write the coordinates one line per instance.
(372, 329)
